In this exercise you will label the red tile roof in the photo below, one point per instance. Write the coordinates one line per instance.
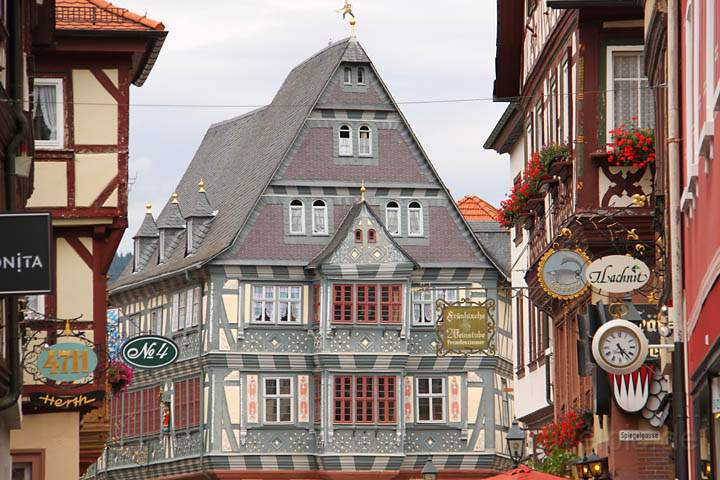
(100, 15)
(475, 209)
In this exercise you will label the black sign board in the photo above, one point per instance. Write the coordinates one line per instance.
(25, 263)
(72, 402)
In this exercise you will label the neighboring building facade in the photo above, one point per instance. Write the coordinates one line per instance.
(581, 73)
(81, 96)
(297, 269)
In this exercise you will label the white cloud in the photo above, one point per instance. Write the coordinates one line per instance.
(238, 52)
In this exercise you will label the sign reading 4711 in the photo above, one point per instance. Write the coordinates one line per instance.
(149, 351)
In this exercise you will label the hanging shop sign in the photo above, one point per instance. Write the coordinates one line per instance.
(25, 263)
(67, 362)
(62, 402)
(466, 327)
(149, 351)
(560, 273)
(619, 346)
(617, 274)
(632, 390)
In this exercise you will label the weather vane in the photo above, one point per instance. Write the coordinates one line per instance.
(347, 10)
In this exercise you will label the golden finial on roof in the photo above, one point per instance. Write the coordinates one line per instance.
(148, 207)
(347, 10)
(362, 191)
(173, 198)
(201, 186)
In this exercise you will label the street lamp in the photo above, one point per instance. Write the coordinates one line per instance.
(429, 472)
(516, 443)
(593, 467)
(596, 465)
(582, 468)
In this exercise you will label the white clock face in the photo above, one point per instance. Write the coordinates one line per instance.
(620, 347)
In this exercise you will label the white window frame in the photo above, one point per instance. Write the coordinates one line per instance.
(345, 148)
(553, 113)
(347, 76)
(422, 219)
(189, 235)
(276, 301)
(422, 298)
(395, 211)
(368, 153)
(278, 397)
(35, 308)
(161, 246)
(324, 208)
(59, 143)
(565, 101)
(610, 85)
(136, 254)
(360, 72)
(433, 397)
(296, 208)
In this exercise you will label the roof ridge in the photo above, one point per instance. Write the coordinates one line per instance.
(141, 19)
(318, 53)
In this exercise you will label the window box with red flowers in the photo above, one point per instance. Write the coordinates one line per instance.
(631, 146)
(119, 376)
(567, 432)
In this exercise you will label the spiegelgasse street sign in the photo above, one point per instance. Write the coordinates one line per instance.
(25, 262)
(149, 351)
(639, 435)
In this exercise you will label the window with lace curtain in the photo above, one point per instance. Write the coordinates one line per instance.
(629, 94)
(48, 113)
(297, 218)
(276, 304)
(319, 219)
(415, 219)
(424, 301)
(392, 218)
(364, 141)
(345, 141)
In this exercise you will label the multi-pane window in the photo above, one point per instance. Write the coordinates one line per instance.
(186, 412)
(186, 310)
(539, 126)
(424, 302)
(430, 399)
(392, 218)
(364, 399)
(364, 141)
(135, 414)
(361, 76)
(151, 411)
(553, 111)
(48, 113)
(319, 218)
(345, 141)
(565, 102)
(347, 76)
(415, 219)
(278, 400)
(276, 304)
(361, 303)
(630, 96)
(371, 234)
(297, 218)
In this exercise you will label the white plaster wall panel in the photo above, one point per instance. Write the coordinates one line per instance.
(93, 172)
(75, 283)
(50, 185)
(95, 111)
(58, 435)
(474, 398)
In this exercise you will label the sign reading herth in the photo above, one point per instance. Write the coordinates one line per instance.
(466, 327)
(149, 351)
(65, 402)
(25, 263)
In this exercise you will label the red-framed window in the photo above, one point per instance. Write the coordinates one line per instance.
(115, 417)
(366, 304)
(316, 304)
(386, 399)
(358, 236)
(371, 236)
(317, 389)
(391, 303)
(343, 399)
(342, 303)
(151, 411)
(364, 395)
(187, 403)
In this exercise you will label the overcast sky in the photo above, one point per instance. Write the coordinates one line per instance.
(238, 52)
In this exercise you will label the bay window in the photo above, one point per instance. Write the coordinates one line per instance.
(424, 302)
(629, 92)
(278, 400)
(431, 399)
(276, 304)
(364, 399)
(361, 304)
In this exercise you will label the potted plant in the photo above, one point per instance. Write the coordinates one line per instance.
(119, 376)
(555, 157)
(631, 146)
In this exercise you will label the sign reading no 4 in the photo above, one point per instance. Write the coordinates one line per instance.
(149, 351)
(67, 362)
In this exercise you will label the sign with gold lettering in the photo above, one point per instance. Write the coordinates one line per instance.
(466, 327)
(47, 400)
(67, 362)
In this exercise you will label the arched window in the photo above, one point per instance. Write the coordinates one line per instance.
(364, 141)
(358, 236)
(347, 76)
(319, 218)
(361, 76)
(415, 220)
(392, 218)
(297, 218)
(345, 141)
(371, 236)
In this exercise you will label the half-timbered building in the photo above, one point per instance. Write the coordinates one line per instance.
(297, 267)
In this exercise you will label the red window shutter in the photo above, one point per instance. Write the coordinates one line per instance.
(391, 304)
(179, 410)
(317, 386)
(387, 400)
(343, 399)
(342, 303)
(364, 393)
(366, 304)
(194, 402)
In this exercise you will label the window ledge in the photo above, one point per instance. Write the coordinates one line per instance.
(705, 140)
(273, 326)
(687, 201)
(388, 326)
(520, 373)
(364, 426)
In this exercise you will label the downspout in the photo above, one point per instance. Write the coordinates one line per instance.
(676, 267)
(15, 64)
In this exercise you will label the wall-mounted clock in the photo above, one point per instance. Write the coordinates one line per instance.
(619, 346)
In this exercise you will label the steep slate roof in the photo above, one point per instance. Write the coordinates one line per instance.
(148, 228)
(474, 208)
(495, 240)
(171, 216)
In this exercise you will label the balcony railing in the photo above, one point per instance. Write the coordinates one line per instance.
(92, 15)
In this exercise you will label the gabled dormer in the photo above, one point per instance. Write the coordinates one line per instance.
(145, 240)
(170, 225)
(197, 222)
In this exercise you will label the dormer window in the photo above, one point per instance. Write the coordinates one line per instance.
(347, 77)
(189, 236)
(361, 76)
(358, 236)
(136, 255)
(161, 247)
(392, 218)
(371, 236)
(415, 220)
(297, 218)
(319, 218)
(364, 141)
(345, 141)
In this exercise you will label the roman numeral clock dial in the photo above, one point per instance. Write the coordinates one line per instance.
(619, 346)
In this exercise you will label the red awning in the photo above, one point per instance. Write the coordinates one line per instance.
(524, 473)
